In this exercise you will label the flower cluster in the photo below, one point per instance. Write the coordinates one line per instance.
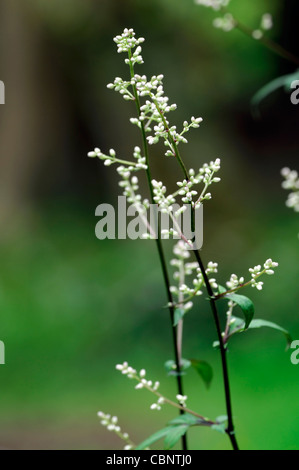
(215, 4)
(257, 271)
(160, 198)
(205, 175)
(183, 269)
(111, 423)
(150, 386)
(155, 109)
(125, 369)
(143, 383)
(226, 23)
(167, 203)
(157, 406)
(127, 41)
(139, 164)
(122, 87)
(236, 283)
(182, 399)
(266, 25)
(291, 182)
(156, 106)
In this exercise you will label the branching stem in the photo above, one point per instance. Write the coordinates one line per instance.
(161, 256)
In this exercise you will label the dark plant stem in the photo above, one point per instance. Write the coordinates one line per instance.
(230, 431)
(230, 428)
(265, 41)
(162, 261)
(270, 44)
(174, 143)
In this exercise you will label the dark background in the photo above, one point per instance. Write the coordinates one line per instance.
(71, 307)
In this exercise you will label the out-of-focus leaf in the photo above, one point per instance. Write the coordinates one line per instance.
(178, 315)
(221, 419)
(171, 368)
(219, 427)
(255, 324)
(264, 323)
(281, 82)
(173, 435)
(188, 419)
(204, 370)
(153, 438)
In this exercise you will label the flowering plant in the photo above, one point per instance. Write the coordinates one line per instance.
(192, 277)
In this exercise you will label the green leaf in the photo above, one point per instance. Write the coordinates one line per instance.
(173, 435)
(153, 438)
(187, 419)
(219, 427)
(264, 323)
(204, 370)
(246, 305)
(216, 344)
(221, 289)
(170, 367)
(285, 81)
(222, 419)
(178, 315)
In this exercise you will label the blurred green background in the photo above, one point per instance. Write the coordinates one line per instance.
(72, 306)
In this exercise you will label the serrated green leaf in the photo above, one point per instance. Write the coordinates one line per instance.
(178, 315)
(173, 435)
(187, 419)
(204, 370)
(153, 438)
(264, 323)
(246, 305)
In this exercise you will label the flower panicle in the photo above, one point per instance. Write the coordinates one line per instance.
(112, 425)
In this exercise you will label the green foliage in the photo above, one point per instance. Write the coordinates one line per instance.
(264, 323)
(178, 315)
(281, 82)
(170, 367)
(221, 424)
(187, 419)
(238, 327)
(174, 434)
(154, 438)
(246, 305)
(204, 369)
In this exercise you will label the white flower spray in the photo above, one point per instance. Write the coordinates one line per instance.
(191, 277)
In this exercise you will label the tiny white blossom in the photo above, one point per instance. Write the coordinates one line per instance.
(267, 22)
(182, 399)
(215, 4)
(291, 182)
(110, 423)
(257, 34)
(155, 406)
